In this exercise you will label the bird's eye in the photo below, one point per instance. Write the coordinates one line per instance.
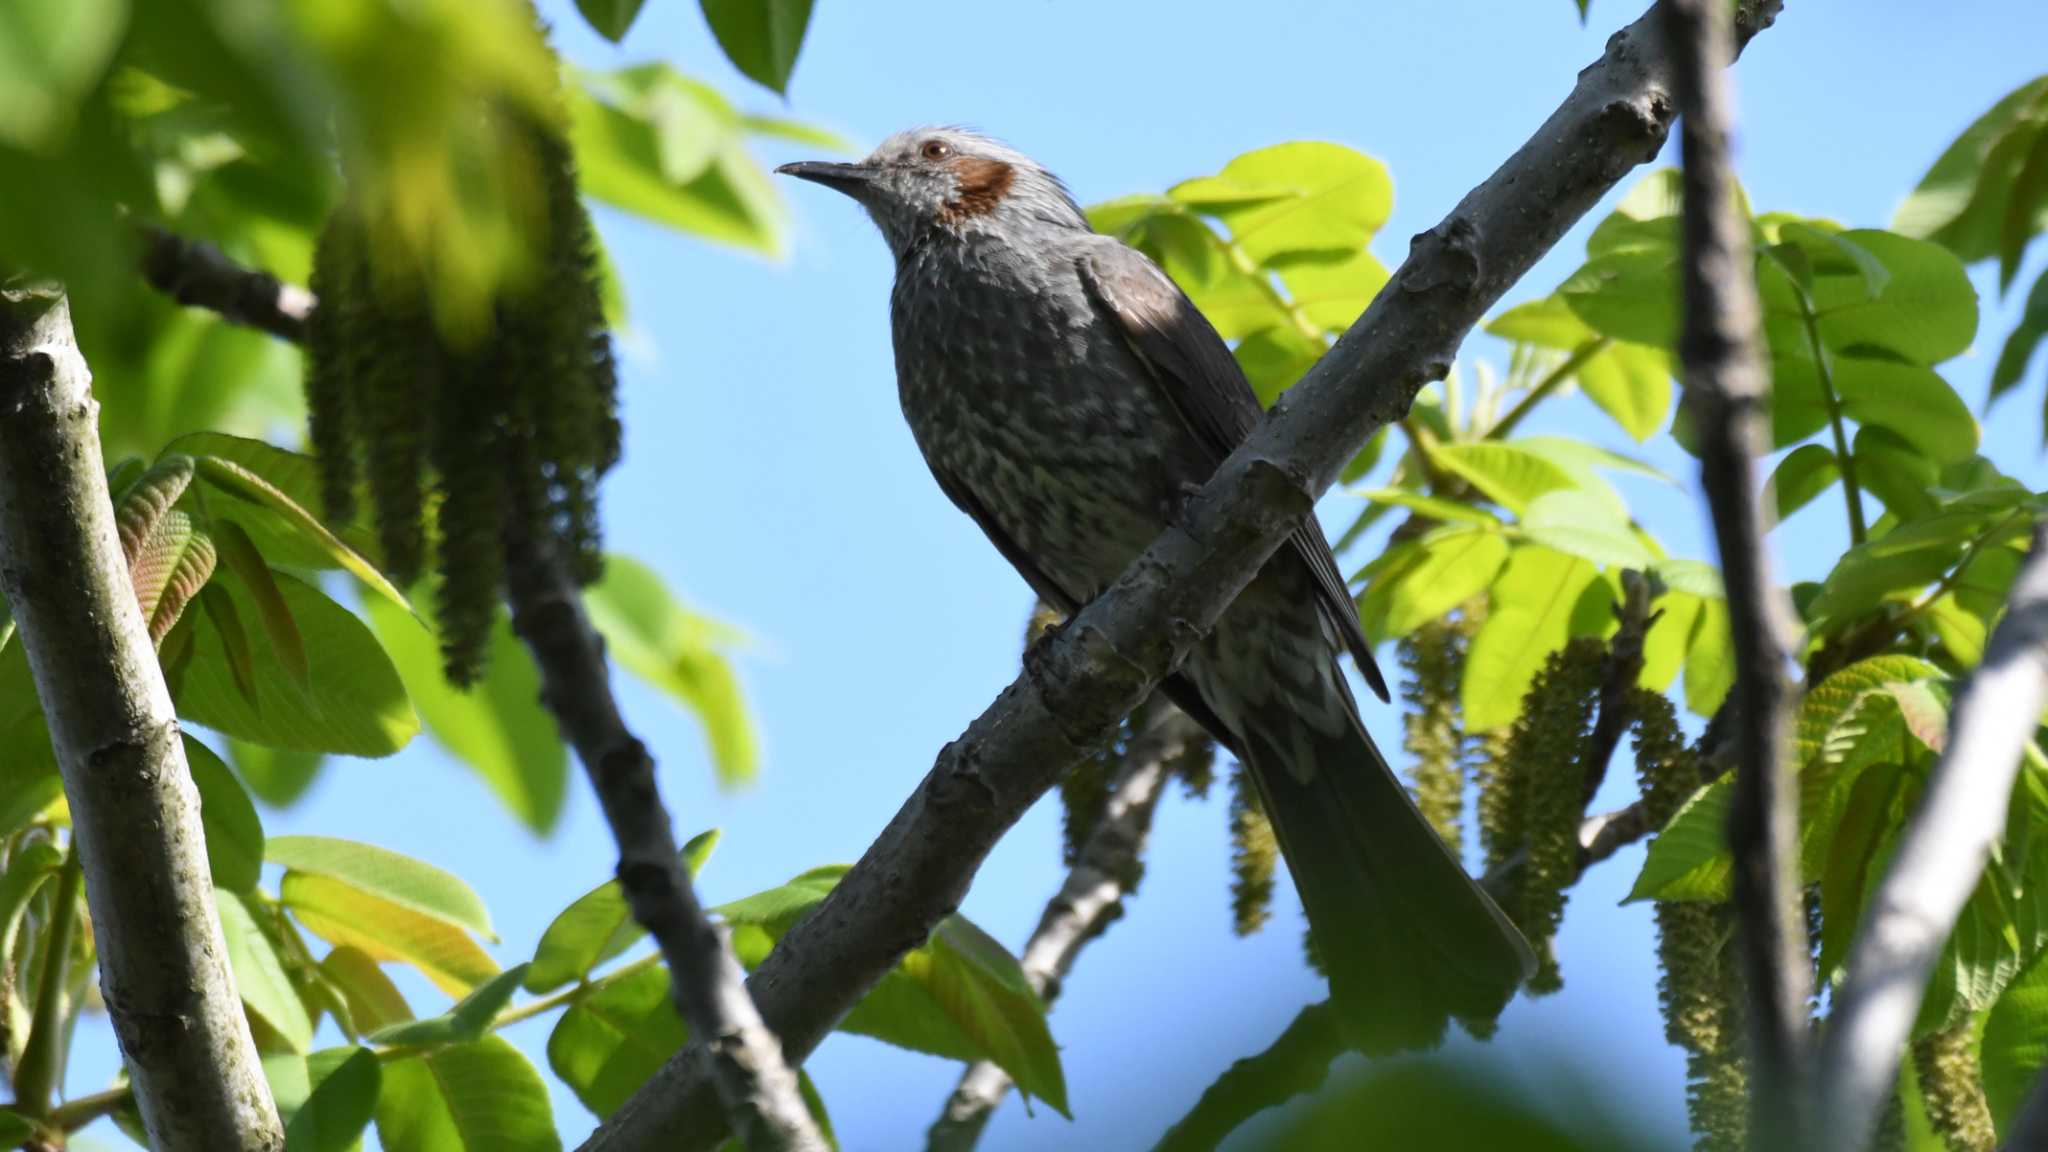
(935, 150)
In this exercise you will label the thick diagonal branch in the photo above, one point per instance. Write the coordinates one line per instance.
(755, 1084)
(1940, 858)
(1726, 388)
(1104, 872)
(1116, 650)
(134, 811)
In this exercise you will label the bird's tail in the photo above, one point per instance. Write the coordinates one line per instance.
(1407, 939)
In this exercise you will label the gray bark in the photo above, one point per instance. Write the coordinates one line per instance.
(1726, 388)
(1109, 658)
(134, 811)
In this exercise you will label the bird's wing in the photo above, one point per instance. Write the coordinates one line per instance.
(1019, 559)
(1199, 376)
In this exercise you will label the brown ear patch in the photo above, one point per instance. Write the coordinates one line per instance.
(983, 184)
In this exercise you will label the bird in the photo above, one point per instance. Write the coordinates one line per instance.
(1068, 396)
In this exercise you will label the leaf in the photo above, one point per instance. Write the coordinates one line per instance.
(1926, 313)
(482, 1096)
(1508, 474)
(497, 726)
(1579, 523)
(1867, 574)
(678, 651)
(597, 926)
(15, 1128)
(278, 776)
(1829, 704)
(960, 995)
(235, 650)
(245, 484)
(342, 1086)
(28, 869)
(51, 56)
(1452, 566)
(2015, 1044)
(1827, 252)
(1960, 202)
(1429, 506)
(353, 703)
(1301, 196)
(1629, 296)
(1632, 383)
(234, 835)
(1545, 323)
(1911, 401)
(1532, 603)
(615, 1037)
(170, 568)
(610, 18)
(278, 539)
(760, 37)
(1688, 859)
(1331, 290)
(260, 976)
(388, 875)
(2025, 207)
(469, 1019)
(2026, 336)
(1804, 473)
(373, 1001)
(1709, 658)
(349, 917)
(234, 546)
(1665, 644)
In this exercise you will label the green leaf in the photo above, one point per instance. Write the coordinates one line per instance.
(660, 145)
(610, 18)
(169, 569)
(235, 546)
(373, 1001)
(1868, 574)
(1629, 296)
(1926, 313)
(349, 917)
(680, 652)
(1545, 323)
(1827, 252)
(277, 776)
(51, 56)
(15, 1128)
(31, 866)
(278, 538)
(1709, 658)
(1665, 644)
(247, 485)
(260, 976)
(353, 703)
(234, 836)
(961, 995)
(1960, 203)
(1688, 859)
(1508, 474)
(1913, 402)
(1452, 565)
(1631, 383)
(2020, 345)
(497, 726)
(470, 1017)
(388, 875)
(1331, 289)
(482, 1096)
(597, 926)
(1302, 196)
(333, 1100)
(1828, 706)
(1852, 860)
(1895, 472)
(1579, 523)
(1531, 614)
(760, 37)
(2015, 1044)
(2025, 207)
(615, 1037)
(1959, 631)
(1429, 506)
(1804, 473)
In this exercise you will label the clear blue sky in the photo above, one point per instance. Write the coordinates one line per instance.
(768, 475)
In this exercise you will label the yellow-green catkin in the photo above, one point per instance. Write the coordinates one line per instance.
(1541, 783)
(1254, 855)
(1699, 990)
(460, 440)
(1433, 656)
(1952, 1086)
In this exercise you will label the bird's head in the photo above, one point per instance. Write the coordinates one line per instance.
(938, 182)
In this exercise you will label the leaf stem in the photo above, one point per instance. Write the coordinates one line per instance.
(1852, 494)
(1550, 383)
(78, 1112)
(36, 1077)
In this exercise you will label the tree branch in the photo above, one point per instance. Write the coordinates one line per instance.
(755, 1085)
(1107, 660)
(1092, 899)
(1941, 855)
(1726, 387)
(197, 274)
(134, 811)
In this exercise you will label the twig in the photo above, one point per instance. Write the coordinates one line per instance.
(1941, 855)
(1617, 684)
(1725, 385)
(756, 1086)
(134, 811)
(1294, 1065)
(1091, 899)
(197, 274)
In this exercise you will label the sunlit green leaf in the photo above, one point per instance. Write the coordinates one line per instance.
(277, 776)
(1913, 402)
(1578, 523)
(373, 1001)
(326, 1099)
(596, 927)
(248, 485)
(1452, 565)
(482, 1096)
(1302, 196)
(1546, 323)
(1530, 617)
(1926, 313)
(346, 916)
(260, 975)
(389, 875)
(468, 1019)
(1507, 473)
(1628, 295)
(1632, 383)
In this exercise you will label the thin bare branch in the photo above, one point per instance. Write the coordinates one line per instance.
(197, 274)
(1726, 388)
(1941, 855)
(134, 810)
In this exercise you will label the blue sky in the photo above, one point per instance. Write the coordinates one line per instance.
(768, 475)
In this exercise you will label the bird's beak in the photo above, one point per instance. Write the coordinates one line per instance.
(848, 178)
